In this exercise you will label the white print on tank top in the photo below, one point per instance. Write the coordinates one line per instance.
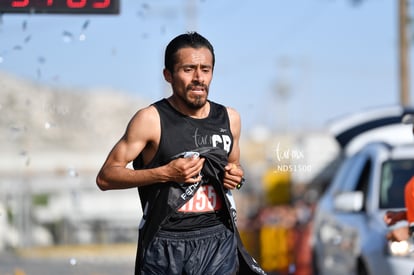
(222, 139)
(216, 140)
(205, 199)
(233, 210)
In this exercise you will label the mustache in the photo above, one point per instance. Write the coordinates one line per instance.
(197, 84)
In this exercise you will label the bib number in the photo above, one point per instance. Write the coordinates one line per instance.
(204, 200)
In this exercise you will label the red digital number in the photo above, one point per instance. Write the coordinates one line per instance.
(19, 3)
(101, 5)
(76, 4)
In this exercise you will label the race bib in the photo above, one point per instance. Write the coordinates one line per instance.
(204, 200)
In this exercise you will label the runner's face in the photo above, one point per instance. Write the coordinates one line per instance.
(192, 75)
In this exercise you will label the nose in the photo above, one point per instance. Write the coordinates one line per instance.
(198, 75)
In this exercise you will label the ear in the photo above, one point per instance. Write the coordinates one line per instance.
(167, 75)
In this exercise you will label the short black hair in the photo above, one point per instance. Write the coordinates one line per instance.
(187, 40)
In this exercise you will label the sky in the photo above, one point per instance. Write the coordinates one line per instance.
(286, 65)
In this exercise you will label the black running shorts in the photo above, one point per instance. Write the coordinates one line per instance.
(208, 251)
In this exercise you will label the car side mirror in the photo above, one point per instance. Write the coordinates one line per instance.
(349, 201)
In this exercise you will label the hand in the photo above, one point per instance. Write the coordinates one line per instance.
(233, 175)
(398, 234)
(185, 170)
(392, 217)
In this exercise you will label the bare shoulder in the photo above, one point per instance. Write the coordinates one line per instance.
(147, 115)
(235, 127)
(235, 122)
(145, 122)
(234, 115)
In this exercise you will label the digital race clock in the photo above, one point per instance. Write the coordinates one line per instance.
(60, 6)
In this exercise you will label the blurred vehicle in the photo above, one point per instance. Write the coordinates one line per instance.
(349, 234)
(355, 130)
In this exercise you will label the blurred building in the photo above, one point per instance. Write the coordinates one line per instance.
(53, 142)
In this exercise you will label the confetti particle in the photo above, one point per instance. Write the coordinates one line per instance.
(67, 36)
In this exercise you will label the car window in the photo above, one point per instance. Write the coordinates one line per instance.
(363, 181)
(349, 174)
(394, 176)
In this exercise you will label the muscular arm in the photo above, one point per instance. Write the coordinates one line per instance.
(142, 135)
(234, 173)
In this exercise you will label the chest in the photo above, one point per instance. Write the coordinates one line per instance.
(179, 134)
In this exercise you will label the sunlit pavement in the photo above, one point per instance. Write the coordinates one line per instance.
(70, 260)
(116, 259)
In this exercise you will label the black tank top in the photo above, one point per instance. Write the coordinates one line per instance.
(180, 133)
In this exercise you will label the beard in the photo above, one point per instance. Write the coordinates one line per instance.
(198, 101)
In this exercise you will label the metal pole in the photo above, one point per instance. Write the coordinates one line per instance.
(403, 53)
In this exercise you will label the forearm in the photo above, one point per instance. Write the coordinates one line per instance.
(117, 177)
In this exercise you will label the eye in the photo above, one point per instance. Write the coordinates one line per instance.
(205, 69)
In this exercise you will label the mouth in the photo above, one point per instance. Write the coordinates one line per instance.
(197, 89)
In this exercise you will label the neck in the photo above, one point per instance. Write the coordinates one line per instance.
(183, 108)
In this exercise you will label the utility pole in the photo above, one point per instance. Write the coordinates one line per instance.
(403, 53)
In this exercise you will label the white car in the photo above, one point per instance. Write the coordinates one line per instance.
(349, 234)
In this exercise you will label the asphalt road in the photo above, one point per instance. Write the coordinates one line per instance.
(12, 265)
(73, 262)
